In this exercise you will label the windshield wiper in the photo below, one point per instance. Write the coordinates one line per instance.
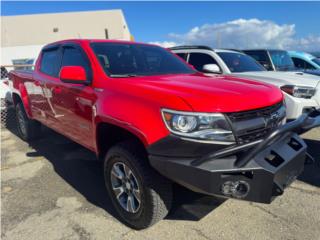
(122, 75)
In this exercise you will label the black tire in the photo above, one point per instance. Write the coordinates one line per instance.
(156, 191)
(28, 129)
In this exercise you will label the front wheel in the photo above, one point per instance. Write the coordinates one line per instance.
(28, 129)
(140, 195)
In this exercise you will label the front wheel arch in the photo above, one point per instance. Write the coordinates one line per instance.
(108, 135)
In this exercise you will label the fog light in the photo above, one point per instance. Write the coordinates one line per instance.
(236, 189)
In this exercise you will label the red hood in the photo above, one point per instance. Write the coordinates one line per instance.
(213, 94)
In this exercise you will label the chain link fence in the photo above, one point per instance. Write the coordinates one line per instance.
(7, 115)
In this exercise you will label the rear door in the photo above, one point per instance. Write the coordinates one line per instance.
(42, 91)
(262, 57)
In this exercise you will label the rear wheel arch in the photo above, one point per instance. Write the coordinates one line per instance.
(23, 98)
(28, 129)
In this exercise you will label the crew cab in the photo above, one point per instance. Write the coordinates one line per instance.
(302, 91)
(154, 120)
(278, 60)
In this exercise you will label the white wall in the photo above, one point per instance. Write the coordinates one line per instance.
(39, 29)
(19, 52)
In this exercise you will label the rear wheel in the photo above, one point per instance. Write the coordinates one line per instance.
(140, 195)
(28, 129)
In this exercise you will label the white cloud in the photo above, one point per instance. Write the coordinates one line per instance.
(310, 43)
(245, 33)
(165, 44)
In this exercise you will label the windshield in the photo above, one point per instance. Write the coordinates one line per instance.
(317, 61)
(127, 60)
(238, 62)
(281, 60)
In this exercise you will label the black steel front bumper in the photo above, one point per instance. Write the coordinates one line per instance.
(258, 171)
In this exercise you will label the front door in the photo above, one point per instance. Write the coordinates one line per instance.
(74, 102)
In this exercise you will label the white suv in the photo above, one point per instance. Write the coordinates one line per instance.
(302, 91)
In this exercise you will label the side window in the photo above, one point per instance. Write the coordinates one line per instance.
(198, 60)
(50, 62)
(309, 66)
(299, 63)
(261, 57)
(74, 57)
(183, 56)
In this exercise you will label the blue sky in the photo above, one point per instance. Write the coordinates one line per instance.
(154, 21)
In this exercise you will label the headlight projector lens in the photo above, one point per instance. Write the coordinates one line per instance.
(184, 123)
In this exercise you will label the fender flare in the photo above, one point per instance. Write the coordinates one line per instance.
(121, 124)
(23, 94)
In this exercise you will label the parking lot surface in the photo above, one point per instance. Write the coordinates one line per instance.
(53, 189)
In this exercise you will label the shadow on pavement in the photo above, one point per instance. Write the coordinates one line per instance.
(80, 168)
(192, 206)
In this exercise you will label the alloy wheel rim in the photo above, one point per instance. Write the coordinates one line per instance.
(125, 187)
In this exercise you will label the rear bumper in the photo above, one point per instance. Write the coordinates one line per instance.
(258, 173)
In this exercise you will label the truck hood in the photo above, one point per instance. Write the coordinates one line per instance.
(212, 94)
(282, 78)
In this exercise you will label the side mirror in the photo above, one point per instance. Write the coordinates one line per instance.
(211, 68)
(73, 74)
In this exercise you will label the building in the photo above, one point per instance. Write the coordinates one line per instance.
(23, 36)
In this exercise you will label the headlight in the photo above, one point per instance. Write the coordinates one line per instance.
(210, 127)
(299, 91)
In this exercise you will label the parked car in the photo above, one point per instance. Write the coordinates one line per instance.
(277, 60)
(316, 54)
(302, 91)
(5, 90)
(304, 61)
(153, 119)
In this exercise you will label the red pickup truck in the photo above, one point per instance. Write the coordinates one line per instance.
(154, 120)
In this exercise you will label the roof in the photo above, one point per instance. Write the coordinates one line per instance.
(201, 47)
(263, 49)
(301, 54)
(191, 47)
(94, 41)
